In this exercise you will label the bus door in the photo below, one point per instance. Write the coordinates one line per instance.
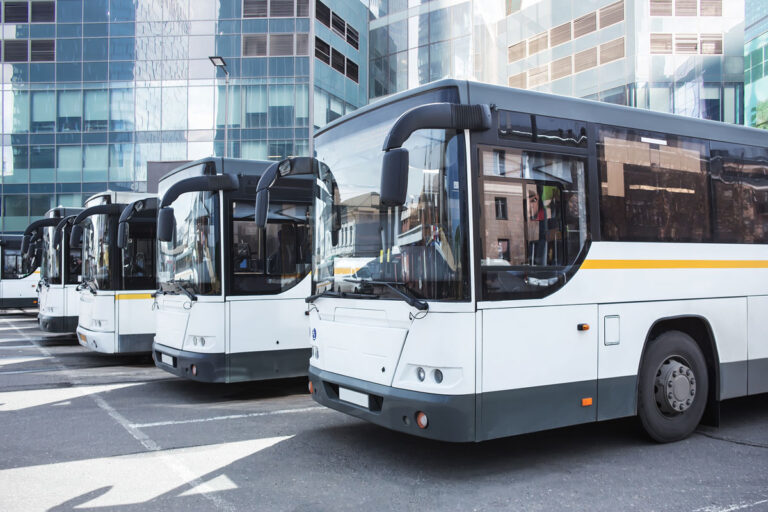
(539, 344)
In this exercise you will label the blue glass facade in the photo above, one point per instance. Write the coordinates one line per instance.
(95, 89)
(756, 64)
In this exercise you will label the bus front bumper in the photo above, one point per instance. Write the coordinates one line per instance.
(210, 367)
(450, 417)
(57, 324)
(109, 343)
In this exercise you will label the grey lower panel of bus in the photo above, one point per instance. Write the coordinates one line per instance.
(757, 372)
(133, 343)
(242, 366)
(58, 324)
(28, 302)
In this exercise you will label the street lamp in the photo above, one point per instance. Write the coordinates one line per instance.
(219, 62)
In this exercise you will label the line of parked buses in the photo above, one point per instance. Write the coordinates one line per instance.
(460, 262)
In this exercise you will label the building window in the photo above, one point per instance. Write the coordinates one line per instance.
(504, 253)
(519, 81)
(353, 38)
(322, 51)
(516, 52)
(337, 60)
(711, 44)
(280, 45)
(16, 12)
(711, 7)
(255, 45)
(323, 13)
(538, 43)
(15, 51)
(43, 12)
(612, 50)
(254, 8)
(338, 25)
(561, 67)
(661, 7)
(281, 9)
(352, 71)
(661, 43)
(612, 14)
(584, 25)
(585, 60)
(501, 208)
(302, 8)
(538, 76)
(43, 50)
(686, 43)
(302, 44)
(686, 7)
(560, 34)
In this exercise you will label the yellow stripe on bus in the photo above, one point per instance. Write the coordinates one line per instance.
(672, 264)
(131, 296)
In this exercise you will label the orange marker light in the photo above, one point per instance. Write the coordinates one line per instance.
(586, 402)
(311, 388)
(583, 327)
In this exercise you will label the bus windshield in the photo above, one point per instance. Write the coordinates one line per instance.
(50, 265)
(96, 251)
(192, 257)
(420, 248)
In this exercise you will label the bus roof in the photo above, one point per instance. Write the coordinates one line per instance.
(60, 212)
(120, 196)
(554, 105)
(227, 166)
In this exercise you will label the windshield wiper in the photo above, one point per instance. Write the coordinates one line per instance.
(180, 287)
(343, 295)
(412, 301)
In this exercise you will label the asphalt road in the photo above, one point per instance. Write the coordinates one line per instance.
(88, 431)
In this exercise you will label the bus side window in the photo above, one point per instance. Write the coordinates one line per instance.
(534, 220)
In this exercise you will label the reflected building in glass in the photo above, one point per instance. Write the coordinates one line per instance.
(95, 89)
(756, 63)
(678, 56)
(414, 42)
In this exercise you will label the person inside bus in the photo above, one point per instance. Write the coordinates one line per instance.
(537, 228)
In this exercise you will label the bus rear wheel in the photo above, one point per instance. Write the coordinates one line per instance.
(672, 387)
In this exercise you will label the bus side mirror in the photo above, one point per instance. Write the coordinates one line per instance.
(261, 210)
(394, 177)
(75, 236)
(122, 235)
(25, 244)
(166, 224)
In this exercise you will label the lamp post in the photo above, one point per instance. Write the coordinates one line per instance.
(219, 62)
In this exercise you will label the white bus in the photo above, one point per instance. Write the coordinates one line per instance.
(230, 304)
(59, 269)
(540, 261)
(119, 277)
(18, 276)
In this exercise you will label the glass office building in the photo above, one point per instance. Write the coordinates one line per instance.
(678, 56)
(95, 89)
(413, 42)
(756, 63)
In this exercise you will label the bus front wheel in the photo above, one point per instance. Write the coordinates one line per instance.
(672, 387)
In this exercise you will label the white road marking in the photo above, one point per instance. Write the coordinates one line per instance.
(731, 508)
(229, 417)
(125, 479)
(175, 466)
(19, 400)
(5, 361)
(16, 346)
(14, 328)
(217, 484)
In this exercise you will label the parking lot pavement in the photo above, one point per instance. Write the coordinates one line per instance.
(89, 431)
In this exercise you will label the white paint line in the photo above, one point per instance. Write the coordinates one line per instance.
(135, 479)
(8, 347)
(5, 361)
(731, 508)
(177, 467)
(230, 417)
(19, 400)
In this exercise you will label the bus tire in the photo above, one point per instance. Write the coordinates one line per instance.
(672, 387)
